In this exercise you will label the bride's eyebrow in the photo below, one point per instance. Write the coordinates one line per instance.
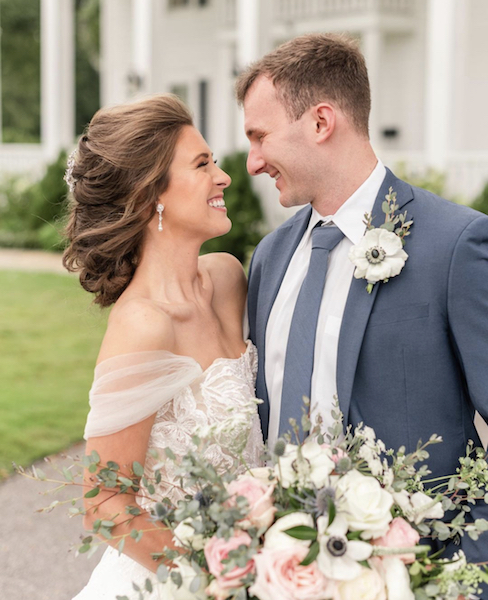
(201, 155)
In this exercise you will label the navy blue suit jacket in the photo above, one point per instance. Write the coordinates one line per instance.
(413, 355)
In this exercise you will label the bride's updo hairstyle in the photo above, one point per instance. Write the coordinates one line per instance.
(120, 168)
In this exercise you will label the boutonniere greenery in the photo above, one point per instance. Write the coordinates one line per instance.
(380, 254)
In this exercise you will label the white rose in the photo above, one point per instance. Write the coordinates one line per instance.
(378, 256)
(425, 507)
(369, 585)
(275, 538)
(364, 504)
(309, 465)
(397, 579)
(184, 534)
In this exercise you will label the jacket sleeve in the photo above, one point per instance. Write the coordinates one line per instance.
(468, 309)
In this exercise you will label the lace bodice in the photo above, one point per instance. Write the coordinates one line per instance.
(220, 403)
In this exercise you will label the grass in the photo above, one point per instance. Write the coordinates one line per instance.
(49, 339)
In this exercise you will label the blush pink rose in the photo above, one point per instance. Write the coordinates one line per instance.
(400, 535)
(217, 549)
(280, 575)
(259, 496)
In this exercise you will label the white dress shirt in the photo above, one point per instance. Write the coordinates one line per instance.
(349, 218)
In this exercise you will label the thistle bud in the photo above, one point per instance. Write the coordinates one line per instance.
(280, 446)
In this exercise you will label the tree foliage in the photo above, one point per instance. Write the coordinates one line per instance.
(20, 70)
(20, 22)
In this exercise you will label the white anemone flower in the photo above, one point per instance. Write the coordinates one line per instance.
(309, 463)
(378, 256)
(338, 557)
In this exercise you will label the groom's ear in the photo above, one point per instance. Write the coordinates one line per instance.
(324, 116)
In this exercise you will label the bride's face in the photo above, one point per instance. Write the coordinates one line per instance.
(194, 200)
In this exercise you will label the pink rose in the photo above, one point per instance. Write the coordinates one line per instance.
(259, 496)
(216, 550)
(399, 535)
(280, 575)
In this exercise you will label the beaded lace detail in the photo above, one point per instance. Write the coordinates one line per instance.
(220, 402)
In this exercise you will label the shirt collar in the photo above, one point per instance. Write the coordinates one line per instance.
(349, 217)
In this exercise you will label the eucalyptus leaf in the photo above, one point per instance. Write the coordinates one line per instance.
(92, 493)
(162, 573)
(195, 584)
(137, 469)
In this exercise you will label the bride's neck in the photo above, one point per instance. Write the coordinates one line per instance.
(168, 270)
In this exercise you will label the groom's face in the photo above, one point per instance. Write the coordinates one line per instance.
(279, 147)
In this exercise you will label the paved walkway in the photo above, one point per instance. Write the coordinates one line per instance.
(37, 550)
(31, 260)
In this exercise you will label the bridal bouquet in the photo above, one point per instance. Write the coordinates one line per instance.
(331, 518)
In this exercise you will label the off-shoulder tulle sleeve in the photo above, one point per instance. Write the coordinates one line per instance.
(129, 388)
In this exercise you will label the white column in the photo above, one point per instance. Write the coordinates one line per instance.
(372, 43)
(223, 105)
(439, 81)
(247, 32)
(57, 76)
(115, 50)
(247, 51)
(142, 45)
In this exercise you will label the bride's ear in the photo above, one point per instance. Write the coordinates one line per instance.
(324, 116)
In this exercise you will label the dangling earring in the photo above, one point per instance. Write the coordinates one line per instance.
(160, 209)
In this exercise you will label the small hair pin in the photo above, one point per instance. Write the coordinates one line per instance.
(68, 175)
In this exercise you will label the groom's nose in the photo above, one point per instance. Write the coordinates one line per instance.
(255, 162)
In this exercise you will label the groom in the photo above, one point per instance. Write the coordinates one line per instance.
(408, 359)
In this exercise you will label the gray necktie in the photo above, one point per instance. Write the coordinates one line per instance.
(297, 376)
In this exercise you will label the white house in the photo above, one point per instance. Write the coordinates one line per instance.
(427, 61)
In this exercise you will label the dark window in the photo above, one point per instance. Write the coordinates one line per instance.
(203, 106)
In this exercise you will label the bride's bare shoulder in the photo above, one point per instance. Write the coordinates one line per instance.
(135, 325)
(226, 272)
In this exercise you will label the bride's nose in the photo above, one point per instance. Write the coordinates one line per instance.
(221, 178)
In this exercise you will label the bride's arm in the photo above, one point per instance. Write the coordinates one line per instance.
(124, 448)
(122, 390)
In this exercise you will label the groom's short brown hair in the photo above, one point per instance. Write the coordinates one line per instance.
(315, 68)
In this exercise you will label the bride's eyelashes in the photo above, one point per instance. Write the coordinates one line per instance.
(205, 163)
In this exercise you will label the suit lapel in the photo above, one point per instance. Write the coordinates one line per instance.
(284, 246)
(360, 304)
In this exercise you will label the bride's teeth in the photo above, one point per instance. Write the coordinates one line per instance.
(217, 203)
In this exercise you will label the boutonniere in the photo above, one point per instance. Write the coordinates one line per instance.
(380, 254)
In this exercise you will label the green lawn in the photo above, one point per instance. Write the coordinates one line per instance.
(49, 339)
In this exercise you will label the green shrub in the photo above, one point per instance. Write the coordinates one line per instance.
(31, 214)
(481, 202)
(428, 179)
(244, 210)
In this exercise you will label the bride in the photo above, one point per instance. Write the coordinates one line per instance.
(146, 193)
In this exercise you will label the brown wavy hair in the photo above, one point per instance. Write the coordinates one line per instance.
(121, 168)
(315, 68)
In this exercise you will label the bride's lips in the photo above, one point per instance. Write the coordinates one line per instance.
(217, 202)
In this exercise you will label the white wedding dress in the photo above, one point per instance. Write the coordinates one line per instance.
(187, 400)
